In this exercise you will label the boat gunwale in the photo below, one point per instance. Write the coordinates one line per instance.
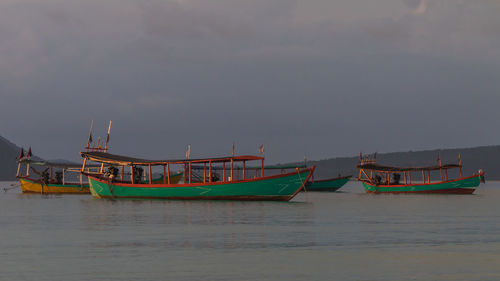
(53, 184)
(200, 184)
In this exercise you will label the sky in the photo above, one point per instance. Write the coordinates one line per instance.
(315, 78)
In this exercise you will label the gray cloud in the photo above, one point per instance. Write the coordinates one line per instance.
(205, 73)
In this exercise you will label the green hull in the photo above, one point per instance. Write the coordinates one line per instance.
(327, 185)
(459, 186)
(279, 188)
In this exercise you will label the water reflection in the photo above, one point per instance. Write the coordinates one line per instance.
(200, 224)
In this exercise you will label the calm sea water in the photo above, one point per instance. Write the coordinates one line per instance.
(345, 235)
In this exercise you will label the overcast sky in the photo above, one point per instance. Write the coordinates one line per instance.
(315, 78)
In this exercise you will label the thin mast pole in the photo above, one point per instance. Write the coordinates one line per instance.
(262, 168)
(190, 176)
(90, 136)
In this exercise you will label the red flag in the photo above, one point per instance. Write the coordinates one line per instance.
(21, 155)
(29, 153)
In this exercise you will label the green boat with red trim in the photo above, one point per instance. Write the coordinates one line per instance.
(234, 186)
(378, 178)
(327, 184)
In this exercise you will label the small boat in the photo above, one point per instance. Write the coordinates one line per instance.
(332, 184)
(236, 184)
(378, 178)
(53, 179)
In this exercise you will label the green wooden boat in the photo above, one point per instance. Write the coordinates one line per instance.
(378, 178)
(327, 184)
(459, 186)
(281, 187)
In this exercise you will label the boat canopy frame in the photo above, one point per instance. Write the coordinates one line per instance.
(132, 162)
(368, 163)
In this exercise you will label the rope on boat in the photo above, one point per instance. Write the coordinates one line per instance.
(14, 185)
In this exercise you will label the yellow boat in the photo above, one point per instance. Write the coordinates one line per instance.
(36, 186)
(53, 179)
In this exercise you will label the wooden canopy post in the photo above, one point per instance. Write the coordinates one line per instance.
(132, 174)
(409, 176)
(18, 169)
(223, 171)
(186, 176)
(262, 168)
(404, 173)
(244, 169)
(205, 172)
(232, 166)
(123, 168)
(423, 176)
(150, 175)
(460, 163)
(441, 171)
(164, 174)
(446, 174)
(168, 173)
(63, 179)
(190, 176)
(210, 170)
(429, 176)
(83, 165)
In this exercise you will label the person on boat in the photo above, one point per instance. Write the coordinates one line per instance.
(378, 180)
(45, 177)
(112, 172)
(138, 174)
(58, 178)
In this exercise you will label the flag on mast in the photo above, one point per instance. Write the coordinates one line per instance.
(188, 151)
(261, 149)
(21, 155)
(29, 153)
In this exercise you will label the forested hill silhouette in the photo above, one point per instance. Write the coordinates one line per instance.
(484, 157)
(8, 157)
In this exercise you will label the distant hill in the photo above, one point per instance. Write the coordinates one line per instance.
(485, 158)
(8, 157)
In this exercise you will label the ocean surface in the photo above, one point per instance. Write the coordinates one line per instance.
(344, 235)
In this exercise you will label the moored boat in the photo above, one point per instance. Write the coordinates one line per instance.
(378, 178)
(230, 186)
(332, 184)
(55, 178)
